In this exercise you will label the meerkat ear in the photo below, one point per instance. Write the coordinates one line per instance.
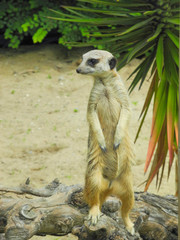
(112, 62)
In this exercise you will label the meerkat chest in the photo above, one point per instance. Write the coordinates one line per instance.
(108, 107)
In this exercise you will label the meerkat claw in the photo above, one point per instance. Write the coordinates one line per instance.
(94, 219)
(89, 217)
(94, 215)
(116, 145)
(104, 149)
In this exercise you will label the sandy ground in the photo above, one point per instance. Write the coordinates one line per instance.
(43, 119)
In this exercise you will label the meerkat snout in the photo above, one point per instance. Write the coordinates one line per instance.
(78, 70)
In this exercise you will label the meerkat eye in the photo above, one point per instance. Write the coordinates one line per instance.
(92, 62)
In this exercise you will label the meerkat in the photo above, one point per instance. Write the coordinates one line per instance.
(110, 149)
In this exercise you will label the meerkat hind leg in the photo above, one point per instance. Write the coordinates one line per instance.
(104, 195)
(123, 190)
(99, 192)
(125, 209)
(92, 196)
(95, 211)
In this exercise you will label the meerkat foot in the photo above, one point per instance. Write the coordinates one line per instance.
(130, 229)
(94, 215)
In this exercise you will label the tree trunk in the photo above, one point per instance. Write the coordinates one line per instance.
(58, 210)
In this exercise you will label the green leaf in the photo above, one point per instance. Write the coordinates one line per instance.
(70, 16)
(39, 35)
(160, 156)
(173, 20)
(106, 12)
(156, 163)
(140, 125)
(143, 70)
(119, 4)
(136, 80)
(160, 87)
(157, 32)
(25, 26)
(174, 2)
(76, 13)
(159, 119)
(136, 49)
(93, 43)
(141, 45)
(92, 21)
(103, 35)
(136, 35)
(138, 25)
(150, 60)
(174, 52)
(122, 63)
(171, 114)
(163, 165)
(153, 69)
(148, 13)
(147, 49)
(141, 73)
(147, 103)
(176, 9)
(124, 19)
(138, 67)
(150, 92)
(173, 37)
(170, 66)
(121, 48)
(160, 56)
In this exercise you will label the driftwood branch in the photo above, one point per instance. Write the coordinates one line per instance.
(58, 210)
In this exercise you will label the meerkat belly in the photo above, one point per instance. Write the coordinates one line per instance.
(108, 110)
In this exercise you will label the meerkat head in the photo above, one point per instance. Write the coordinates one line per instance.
(96, 63)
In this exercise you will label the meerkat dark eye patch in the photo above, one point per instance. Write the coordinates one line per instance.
(92, 62)
(112, 63)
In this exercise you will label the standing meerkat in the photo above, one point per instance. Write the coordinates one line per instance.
(109, 147)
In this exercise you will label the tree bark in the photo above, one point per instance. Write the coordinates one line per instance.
(58, 210)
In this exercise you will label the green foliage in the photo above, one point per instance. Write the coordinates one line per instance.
(20, 19)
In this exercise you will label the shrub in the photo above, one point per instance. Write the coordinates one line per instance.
(21, 19)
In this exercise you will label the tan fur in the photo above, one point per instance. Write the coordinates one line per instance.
(109, 147)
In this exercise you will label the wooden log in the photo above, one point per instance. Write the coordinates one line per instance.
(58, 210)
